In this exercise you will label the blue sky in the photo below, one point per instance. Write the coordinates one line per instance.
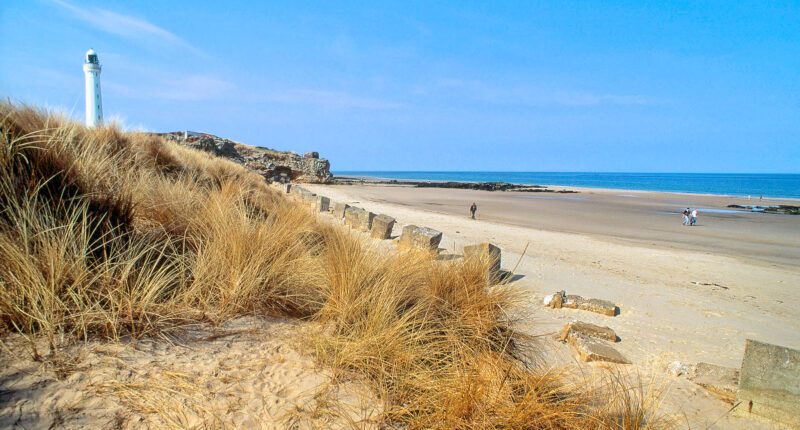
(639, 86)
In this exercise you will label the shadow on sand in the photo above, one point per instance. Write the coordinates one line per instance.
(507, 276)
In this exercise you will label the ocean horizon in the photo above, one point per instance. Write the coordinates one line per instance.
(734, 184)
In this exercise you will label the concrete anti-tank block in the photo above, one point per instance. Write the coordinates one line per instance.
(492, 251)
(321, 204)
(365, 220)
(769, 384)
(301, 193)
(592, 305)
(382, 226)
(352, 215)
(721, 380)
(338, 209)
(423, 238)
(358, 218)
(595, 350)
(309, 198)
(587, 329)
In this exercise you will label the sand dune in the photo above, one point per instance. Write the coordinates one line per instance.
(247, 373)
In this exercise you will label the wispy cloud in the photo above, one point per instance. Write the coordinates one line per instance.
(331, 99)
(126, 26)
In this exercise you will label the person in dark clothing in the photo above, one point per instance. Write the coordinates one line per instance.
(473, 209)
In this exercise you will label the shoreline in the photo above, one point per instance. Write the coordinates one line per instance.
(651, 219)
(391, 181)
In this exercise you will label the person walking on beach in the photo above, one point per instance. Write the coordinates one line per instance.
(686, 216)
(473, 209)
(694, 217)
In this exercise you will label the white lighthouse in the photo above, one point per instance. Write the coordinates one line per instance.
(94, 104)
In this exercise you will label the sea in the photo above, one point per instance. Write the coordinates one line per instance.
(730, 184)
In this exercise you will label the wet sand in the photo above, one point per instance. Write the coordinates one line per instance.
(638, 217)
(685, 293)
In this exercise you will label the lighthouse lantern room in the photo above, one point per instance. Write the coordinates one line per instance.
(94, 103)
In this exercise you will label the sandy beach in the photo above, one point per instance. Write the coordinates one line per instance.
(692, 294)
(245, 373)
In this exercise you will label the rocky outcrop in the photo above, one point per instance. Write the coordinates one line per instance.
(274, 166)
(483, 186)
(780, 209)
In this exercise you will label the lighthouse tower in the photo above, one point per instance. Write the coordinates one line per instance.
(94, 104)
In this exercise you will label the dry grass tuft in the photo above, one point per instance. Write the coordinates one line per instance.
(111, 234)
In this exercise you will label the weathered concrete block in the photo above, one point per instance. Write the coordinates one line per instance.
(724, 381)
(382, 226)
(309, 198)
(595, 350)
(301, 193)
(769, 383)
(592, 305)
(493, 252)
(338, 209)
(321, 204)
(423, 238)
(365, 220)
(352, 215)
(358, 218)
(587, 329)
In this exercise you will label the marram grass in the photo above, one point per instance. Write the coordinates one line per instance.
(111, 234)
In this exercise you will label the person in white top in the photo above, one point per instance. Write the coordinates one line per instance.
(694, 216)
